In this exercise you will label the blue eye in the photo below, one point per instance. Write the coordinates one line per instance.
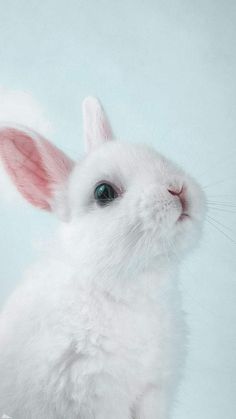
(104, 193)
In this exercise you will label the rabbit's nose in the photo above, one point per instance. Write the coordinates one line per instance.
(180, 193)
(174, 191)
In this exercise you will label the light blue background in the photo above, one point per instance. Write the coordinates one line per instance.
(165, 71)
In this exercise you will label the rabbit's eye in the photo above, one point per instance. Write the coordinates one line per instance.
(104, 193)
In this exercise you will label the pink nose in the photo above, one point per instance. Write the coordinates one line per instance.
(181, 195)
(175, 192)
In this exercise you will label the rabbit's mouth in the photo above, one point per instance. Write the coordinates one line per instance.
(181, 197)
(185, 210)
(183, 217)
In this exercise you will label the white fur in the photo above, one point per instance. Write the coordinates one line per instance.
(96, 331)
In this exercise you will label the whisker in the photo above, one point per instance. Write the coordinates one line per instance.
(212, 208)
(221, 231)
(216, 195)
(221, 203)
(216, 183)
(218, 222)
(221, 206)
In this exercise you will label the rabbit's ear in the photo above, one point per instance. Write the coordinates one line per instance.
(97, 128)
(36, 167)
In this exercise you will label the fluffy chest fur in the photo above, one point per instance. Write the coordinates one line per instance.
(79, 339)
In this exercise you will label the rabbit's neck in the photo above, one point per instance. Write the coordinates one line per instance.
(124, 279)
(138, 286)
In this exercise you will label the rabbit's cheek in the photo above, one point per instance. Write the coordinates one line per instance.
(158, 213)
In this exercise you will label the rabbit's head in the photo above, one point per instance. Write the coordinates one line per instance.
(124, 205)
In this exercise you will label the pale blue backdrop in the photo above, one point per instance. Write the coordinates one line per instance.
(165, 71)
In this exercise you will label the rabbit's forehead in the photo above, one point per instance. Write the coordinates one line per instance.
(127, 160)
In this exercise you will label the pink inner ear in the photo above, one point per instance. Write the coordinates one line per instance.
(34, 165)
(55, 161)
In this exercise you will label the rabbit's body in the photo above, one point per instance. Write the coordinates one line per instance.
(96, 352)
(97, 329)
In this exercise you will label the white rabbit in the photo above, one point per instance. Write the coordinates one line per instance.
(96, 330)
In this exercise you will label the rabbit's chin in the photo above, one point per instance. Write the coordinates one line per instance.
(173, 243)
(170, 248)
(187, 234)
